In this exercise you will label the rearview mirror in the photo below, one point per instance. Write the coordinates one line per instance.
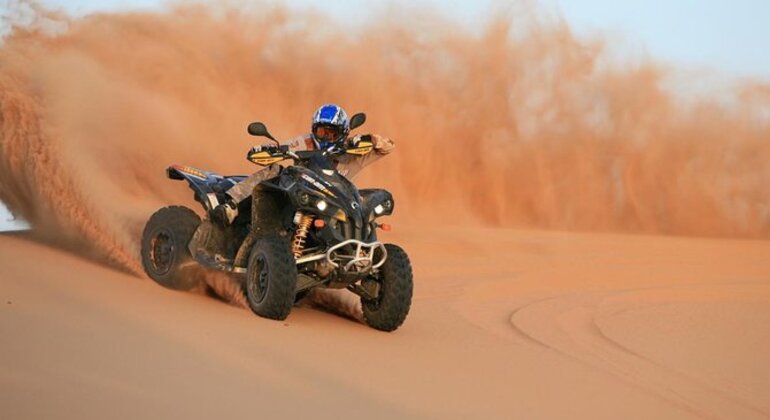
(259, 129)
(357, 120)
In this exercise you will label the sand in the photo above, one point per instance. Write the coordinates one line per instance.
(514, 124)
(504, 324)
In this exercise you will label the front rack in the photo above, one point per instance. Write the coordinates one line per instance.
(361, 261)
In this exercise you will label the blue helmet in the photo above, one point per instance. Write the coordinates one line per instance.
(330, 125)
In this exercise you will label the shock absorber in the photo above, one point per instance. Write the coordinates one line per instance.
(300, 236)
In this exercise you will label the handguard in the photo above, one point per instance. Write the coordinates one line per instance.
(361, 148)
(266, 156)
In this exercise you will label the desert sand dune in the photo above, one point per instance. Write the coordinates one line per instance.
(517, 124)
(550, 330)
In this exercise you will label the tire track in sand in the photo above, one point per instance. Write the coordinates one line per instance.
(568, 325)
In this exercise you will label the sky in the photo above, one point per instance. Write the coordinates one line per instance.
(7, 221)
(724, 37)
(729, 37)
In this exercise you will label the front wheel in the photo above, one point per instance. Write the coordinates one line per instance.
(388, 311)
(271, 278)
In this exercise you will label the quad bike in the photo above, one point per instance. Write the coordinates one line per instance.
(307, 227)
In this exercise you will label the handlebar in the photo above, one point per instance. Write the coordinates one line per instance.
(336, 150)
(280, 152)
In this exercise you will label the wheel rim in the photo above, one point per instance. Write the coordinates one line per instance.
(260, 279)
(162, 251)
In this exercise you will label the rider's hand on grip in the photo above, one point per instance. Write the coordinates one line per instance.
(252, 151)
(256, 149)
(353, 142)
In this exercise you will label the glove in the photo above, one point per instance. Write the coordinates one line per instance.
(253, 150)
(358, 138)
(261, 148)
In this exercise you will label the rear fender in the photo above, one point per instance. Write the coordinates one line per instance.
(198, 181)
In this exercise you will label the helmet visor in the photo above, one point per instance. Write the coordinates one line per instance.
(327, 133)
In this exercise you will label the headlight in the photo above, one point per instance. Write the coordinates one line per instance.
(321, 205)
(379, 209)
(304, 198)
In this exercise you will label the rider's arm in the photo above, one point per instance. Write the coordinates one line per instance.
(298, 143)
(351, 165)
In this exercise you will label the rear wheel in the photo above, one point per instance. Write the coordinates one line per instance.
(271, 278)
(165, 256)
(389, 310)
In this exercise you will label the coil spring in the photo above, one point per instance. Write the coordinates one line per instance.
(301, 235)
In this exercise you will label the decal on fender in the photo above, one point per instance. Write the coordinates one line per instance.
(318, 185)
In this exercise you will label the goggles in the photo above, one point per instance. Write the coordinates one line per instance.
(326, 133)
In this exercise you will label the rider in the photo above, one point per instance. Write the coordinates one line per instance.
(330, 127)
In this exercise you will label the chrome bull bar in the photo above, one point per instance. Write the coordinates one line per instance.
(361, 261)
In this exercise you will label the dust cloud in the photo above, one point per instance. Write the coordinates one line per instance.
(518, 123)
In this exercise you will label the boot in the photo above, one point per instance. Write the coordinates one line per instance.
(225, 213)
